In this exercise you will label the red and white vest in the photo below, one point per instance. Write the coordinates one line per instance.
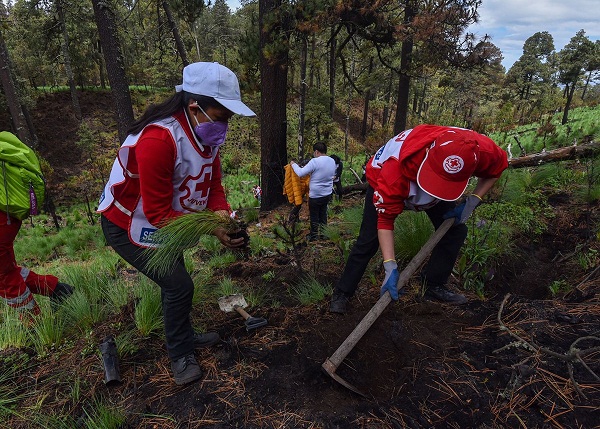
(191, 181)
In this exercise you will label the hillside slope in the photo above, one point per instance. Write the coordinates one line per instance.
(518, 358)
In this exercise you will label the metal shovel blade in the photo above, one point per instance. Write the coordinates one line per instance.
(229, 302)
(238, 303)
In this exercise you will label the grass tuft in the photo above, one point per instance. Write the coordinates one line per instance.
(148, 310)
(310, 291)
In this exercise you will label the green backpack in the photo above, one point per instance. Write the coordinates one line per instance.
(22, 185)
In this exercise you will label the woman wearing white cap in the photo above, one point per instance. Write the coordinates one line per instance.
(169, 165)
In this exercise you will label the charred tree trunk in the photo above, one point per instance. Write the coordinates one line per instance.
(273, 123)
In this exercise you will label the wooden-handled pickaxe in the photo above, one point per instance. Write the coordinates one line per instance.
(331, 363)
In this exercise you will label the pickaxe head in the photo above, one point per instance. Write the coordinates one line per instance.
(329, 368)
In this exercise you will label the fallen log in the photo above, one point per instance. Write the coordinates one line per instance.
(356, 187)
(561, 154)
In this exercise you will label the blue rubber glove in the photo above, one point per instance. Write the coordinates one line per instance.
(463, 211)
(390, 282)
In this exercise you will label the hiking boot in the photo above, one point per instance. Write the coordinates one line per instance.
(339, 302)
(440, 293)
(186, 369)
(206, 340)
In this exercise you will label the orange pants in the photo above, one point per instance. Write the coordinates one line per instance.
(18, 284)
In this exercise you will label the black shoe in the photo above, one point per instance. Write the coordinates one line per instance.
(61, 292)
(206, 340)
(440, 293)
(339, 302)
(186, 369)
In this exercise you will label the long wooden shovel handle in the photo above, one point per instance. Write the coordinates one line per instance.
(340, 354)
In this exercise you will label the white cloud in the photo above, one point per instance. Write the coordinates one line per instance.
(511, 22)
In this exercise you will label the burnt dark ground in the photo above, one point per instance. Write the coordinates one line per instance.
(421, 365)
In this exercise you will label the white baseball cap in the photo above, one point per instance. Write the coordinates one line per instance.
(216, 81)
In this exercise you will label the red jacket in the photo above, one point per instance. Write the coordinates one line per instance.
(392, 169)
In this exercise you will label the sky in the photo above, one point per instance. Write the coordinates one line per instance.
(511, 22)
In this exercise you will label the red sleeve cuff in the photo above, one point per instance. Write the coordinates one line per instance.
(385, 222)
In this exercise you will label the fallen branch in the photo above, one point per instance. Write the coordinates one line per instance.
(356, 176)
(573, 355)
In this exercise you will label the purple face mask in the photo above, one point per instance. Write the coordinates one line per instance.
(211, 133)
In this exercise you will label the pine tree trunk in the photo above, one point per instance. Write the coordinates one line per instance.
(17, 111)
(332, 48)
(585, 87)
(385, 117)
(67, 60)
(173, 25)
(363, 129)
(570, 91)
(115, 65)
(273, 122)
(404, 81)
(303, 57)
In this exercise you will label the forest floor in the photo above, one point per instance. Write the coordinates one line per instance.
(518, 358)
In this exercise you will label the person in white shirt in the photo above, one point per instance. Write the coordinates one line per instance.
(321, 169)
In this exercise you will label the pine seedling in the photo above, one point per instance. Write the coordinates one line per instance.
(181, 233)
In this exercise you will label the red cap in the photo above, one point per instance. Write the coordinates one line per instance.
(449, 164)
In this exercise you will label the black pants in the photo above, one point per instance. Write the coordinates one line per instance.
(436, 271)
(177, 290)
(317, 209)
(337, 186)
